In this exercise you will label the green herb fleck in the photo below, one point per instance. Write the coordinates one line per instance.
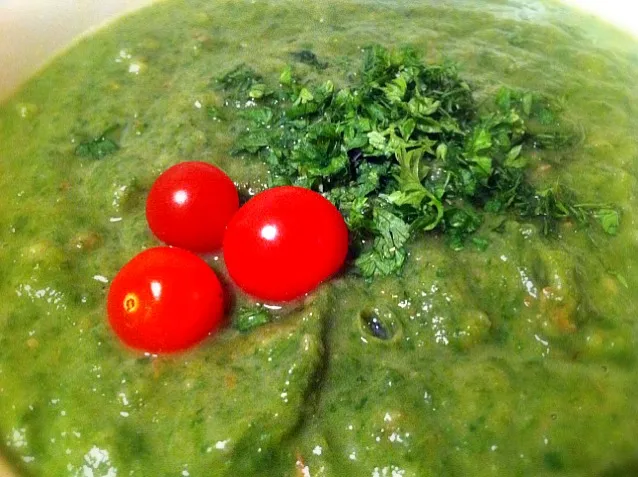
(240, 82)
(309, 58)
(609, 219)
(248, 319)
(101, 146)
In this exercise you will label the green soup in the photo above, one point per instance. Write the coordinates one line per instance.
(516, 360)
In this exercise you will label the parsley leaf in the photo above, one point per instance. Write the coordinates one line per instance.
(249, 318)
(609, 219)
(388, 251)
(309, 58)
(101, 146)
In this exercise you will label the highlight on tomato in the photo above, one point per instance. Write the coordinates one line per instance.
(284, 242)
(190, 205)
(164, 300)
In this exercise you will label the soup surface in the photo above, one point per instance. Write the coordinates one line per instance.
(516, 360)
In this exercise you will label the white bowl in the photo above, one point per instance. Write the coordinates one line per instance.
(32, 31)
(45, 27)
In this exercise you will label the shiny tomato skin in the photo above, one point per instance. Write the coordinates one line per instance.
(190, 205)
(284, 242)
(164, 300)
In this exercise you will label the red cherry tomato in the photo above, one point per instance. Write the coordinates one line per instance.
(190, 204)
(165, 299)
(284, 242)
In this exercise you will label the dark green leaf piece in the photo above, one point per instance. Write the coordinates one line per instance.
(248, 319)
(101, 146)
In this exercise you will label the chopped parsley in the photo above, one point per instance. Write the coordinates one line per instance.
(101, 146)
(406, 149)
(309, 58)
(248, 318)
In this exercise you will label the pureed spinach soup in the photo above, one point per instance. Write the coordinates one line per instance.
(510, 354)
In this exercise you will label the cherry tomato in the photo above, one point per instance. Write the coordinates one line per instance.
(165, 299)
(190, 204)
(284, 242)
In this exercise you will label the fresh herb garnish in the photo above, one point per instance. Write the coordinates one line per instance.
(101, 146)
(405, 150)
(309, 58)
(244, 82)
(248, 318)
